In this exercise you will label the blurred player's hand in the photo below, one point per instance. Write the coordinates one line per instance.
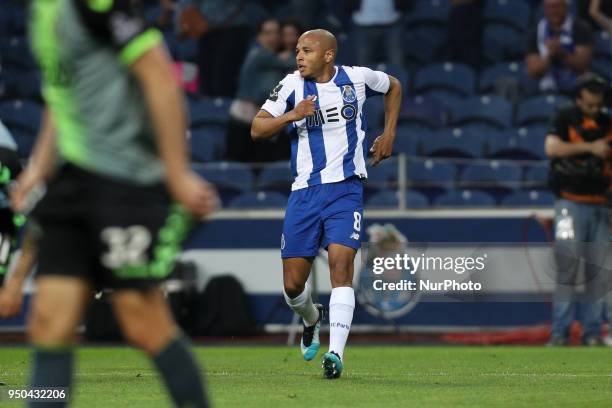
(21, 189)
(305, 108)
(11, 298)
(601, 148)
(197, 195)
(381, 149)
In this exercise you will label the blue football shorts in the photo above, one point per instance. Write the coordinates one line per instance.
(320, 215)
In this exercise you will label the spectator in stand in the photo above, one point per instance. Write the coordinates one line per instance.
(378, 24)
(222, 28)
(262, 70)
(600, 14)
(290, 32)
(559, 48)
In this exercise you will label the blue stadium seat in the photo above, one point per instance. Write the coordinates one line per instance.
(398, 72)
(424, 43)
(431, 177)
(454, 143)
(425, 111)
(383, 176)
(389, 199)
(15, 52)
(209, 111)
(603, 45)
(429, 12)
(513, 14)
(207, 143)
(24, 115)
(539, 109)
(25, 141)
(601, 65)
(465, 198)
(259, 199)
(502, 43)
(454, 77)
(487, 109)
(276, 177)
(493, 77)
(529, 198)
(536, 176)
(524, 143)
(410, 139)
(230, 178)
(494, 177)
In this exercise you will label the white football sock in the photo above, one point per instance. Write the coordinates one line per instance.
(341, 306)
(302, 305)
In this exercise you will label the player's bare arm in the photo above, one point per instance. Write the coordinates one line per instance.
(165, 102)
(265, 125)
(382, 147)
(11, 294)
(40, 166)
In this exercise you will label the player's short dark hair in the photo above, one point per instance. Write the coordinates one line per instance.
(262, 22)
(592, 83)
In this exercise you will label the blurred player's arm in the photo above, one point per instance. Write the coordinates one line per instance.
(40, 165)
(382, 147)
(11, 294)
(265, 125)
(165, 102)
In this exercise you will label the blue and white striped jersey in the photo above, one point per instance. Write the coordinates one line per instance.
(328, 146)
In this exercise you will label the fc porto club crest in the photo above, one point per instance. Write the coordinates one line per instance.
(348, 94)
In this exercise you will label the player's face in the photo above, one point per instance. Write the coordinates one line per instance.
(590, 103)
(310, 57)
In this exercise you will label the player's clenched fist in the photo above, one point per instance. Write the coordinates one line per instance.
(304, 108)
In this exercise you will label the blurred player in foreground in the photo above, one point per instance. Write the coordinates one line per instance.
(115, 127)
(323, 104)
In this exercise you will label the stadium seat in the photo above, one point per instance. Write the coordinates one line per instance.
(514, 14)
(529, 198)
(21, 115)
(603, 45)
(424, 43)
(276, 177)
(487, 109)
(398, 72)
(25, 141)
(431, 177)
(601, 65)
(390, 199)
(494, 177)
(497, 76)
(207, 143)
(454, 143)
(230, 178)
(381, 177)
(454, 77)
(209, 111)
(464, 198)
(424, 111)
(15, 52)
(448, 99)
(502, 43)
(259, 199)
(524, 143)
(536, 176)
(429, 12)
(539, 109)
(410, 139)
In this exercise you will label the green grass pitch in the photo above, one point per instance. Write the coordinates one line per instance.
(381, 376)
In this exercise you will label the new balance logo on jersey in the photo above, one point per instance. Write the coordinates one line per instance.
(355, 236)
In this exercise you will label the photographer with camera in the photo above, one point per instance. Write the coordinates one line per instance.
(578, 144)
